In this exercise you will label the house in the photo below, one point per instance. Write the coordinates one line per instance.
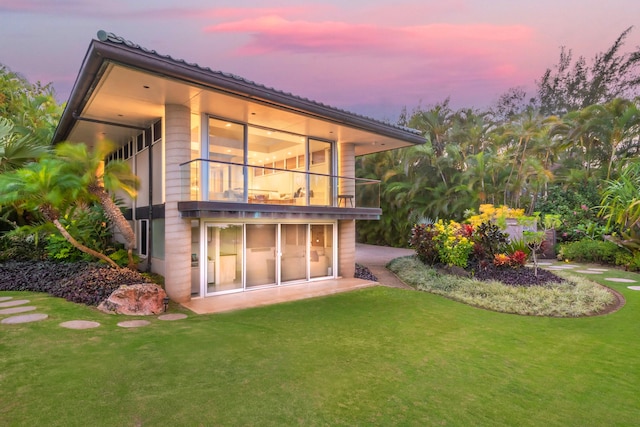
(242, 186)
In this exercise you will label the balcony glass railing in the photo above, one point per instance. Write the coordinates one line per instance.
(216, 181)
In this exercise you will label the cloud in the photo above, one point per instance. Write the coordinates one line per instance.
(274, 33)
(383, 63)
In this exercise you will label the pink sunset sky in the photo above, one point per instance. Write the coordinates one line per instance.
(371, 57)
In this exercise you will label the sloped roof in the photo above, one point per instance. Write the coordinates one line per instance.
(110, 47)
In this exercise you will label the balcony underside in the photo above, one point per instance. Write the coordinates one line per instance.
(198, 209)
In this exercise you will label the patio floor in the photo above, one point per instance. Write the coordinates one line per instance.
(267, 296)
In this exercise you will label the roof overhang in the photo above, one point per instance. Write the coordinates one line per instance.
(122, 88)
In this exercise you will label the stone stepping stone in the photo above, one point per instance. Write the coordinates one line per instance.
(615, 279)
(14, 310)
(133, 323)
(634, 288)
(13, 303)
(25, 318)
(598, 269)
(79, 324)
(5, 298)
(544, 263)
(588, 271)
(172, 316)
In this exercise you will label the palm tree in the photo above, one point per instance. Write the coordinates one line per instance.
(621, 205)
(16, 149)
(99, 179)
(45, 187)
(610, 129)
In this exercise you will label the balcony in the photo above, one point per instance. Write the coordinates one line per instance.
(227, 186)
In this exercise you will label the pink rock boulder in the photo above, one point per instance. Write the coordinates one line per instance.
(142, 299)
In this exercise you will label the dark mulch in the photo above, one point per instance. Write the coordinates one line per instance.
(81, 282)
(524, 276)
(363, 272)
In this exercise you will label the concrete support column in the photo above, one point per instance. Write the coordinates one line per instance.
(347, 168)
(347, 228)
(177, 238)
(347, 248)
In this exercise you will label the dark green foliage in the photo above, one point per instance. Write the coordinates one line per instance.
(31, 107)
(81, 282)
(90, 227)
(121, 257)
(59, 249)
(422, 241)
(22, 247)
(630, 261)
(588, 250)
(577, 207)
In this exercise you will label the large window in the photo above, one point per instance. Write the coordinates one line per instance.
(274, 156)
(226, 144)
(283, 168)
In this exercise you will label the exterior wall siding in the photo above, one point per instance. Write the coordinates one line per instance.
(177, 236)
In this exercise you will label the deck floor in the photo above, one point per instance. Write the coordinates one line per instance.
(274, 295)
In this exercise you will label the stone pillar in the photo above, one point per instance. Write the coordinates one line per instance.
(347, 228)
(347, 248)
(177, 237)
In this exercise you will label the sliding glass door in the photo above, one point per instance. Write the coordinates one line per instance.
(293, 262)
(224, 253)
(247, 256)
(261, 254)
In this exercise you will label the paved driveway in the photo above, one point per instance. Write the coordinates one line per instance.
(376, 257)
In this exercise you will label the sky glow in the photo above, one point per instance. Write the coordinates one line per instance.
(372, 57)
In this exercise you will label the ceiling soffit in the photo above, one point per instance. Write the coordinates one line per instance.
(133, 97)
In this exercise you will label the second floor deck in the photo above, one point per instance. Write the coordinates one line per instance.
(210, 186)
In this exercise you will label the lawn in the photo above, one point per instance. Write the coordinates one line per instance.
(378, 356)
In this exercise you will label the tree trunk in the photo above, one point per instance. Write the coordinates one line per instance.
(80, 246)
(113, 213)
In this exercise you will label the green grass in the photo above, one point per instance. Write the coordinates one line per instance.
(378, 356)
(576, 296)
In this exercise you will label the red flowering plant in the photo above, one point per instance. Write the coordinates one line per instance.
(501, 260)
(517, 259)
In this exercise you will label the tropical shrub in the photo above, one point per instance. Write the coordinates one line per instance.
(463, 245)
(422, 240)
(491, 239)
(22, 246)
(576, 207)
(89, 226)
(588, 250)
(454, 244)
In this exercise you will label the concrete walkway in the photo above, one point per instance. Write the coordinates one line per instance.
(375, 258)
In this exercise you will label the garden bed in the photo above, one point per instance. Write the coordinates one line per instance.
(563, 296)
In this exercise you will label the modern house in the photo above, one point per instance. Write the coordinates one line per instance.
(242, 186)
